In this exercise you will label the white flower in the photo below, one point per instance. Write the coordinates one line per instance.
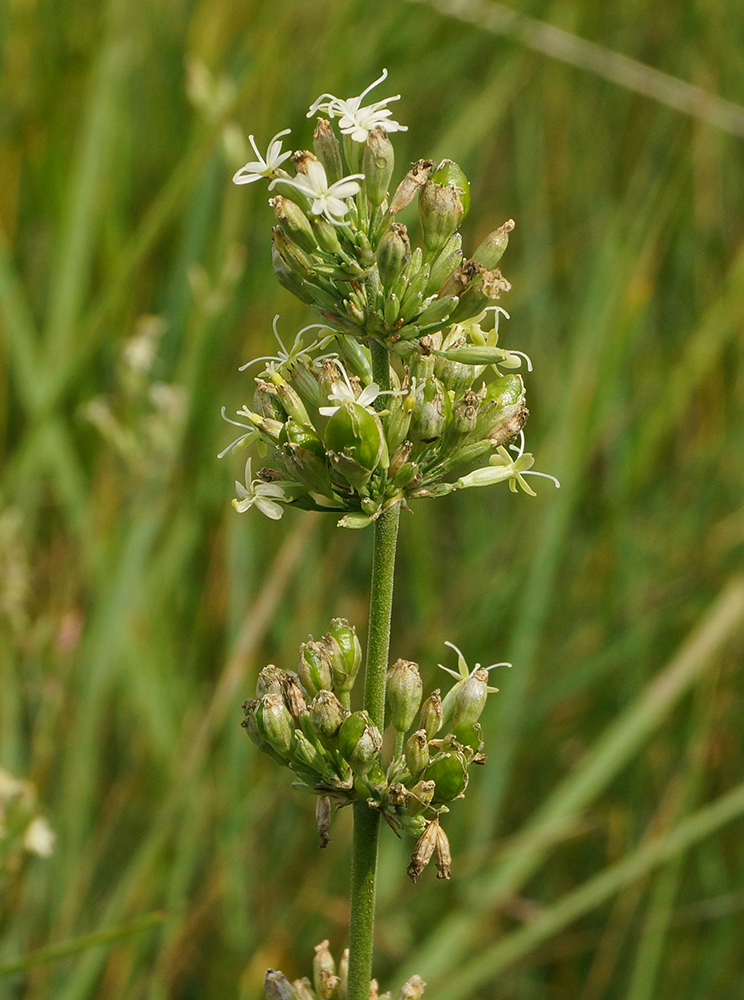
(503, 467)
(259, 494)
(327, 200)
(356, 121)
(39, 838)
(342, 392)
(463, 673)
(251, 434)
(286, 358)
(268, 167)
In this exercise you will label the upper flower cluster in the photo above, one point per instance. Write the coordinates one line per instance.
(341, 441)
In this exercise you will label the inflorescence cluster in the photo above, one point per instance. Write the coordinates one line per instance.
(304, 721)
(340, 440)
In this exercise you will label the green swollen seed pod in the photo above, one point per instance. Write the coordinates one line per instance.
(404, 692)
(450, 774)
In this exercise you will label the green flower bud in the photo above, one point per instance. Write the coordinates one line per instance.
(306, 384)
(294, 223)
(404, 692)
(397, 423)
(441, 212)
(355, 357)
(491, 250)
(270, 681)
(471, 699)
(278, 987)
(431, 716)
(420, 796)
(393, 254)
(429, 414)
(328, 150)
(313, 668)
(344, 653)
(445, 262)
(327, 714)
(275, 723)
(378, 160)
(417, 753)
(326, 235)
(294, 259)
(360, 742)
(287, 277)
(449, 771)
(290, 399)
(411, 184)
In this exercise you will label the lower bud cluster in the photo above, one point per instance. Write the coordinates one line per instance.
(303, 719)
(329, 982)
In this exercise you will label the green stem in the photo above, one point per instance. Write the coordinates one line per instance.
(366, 820)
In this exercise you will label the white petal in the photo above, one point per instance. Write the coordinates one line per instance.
(269, 508)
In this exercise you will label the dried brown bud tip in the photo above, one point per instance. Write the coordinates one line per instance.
(444, 858)
(301, 159)
(323, 818)
(424, 850)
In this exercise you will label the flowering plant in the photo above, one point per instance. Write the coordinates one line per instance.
(401, 388)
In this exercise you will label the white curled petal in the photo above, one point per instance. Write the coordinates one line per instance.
(269, 508)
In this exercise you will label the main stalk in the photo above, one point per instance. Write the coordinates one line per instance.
(366, 820)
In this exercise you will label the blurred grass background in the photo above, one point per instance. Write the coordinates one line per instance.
(136, 607)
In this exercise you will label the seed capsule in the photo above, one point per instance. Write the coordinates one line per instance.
(393, 254)
(411, 184)
(328, 150)
(471, 699)
(323, 818)
(327, 714)
(344, 654)
(275, 723)
(431, 716)
(360, 742)
(313, 668)
(270, 681)
(404, 692)
(419, 797)
(424, 850)
(278, 987)
(322, 964)
(378, 160)
(417, 753)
